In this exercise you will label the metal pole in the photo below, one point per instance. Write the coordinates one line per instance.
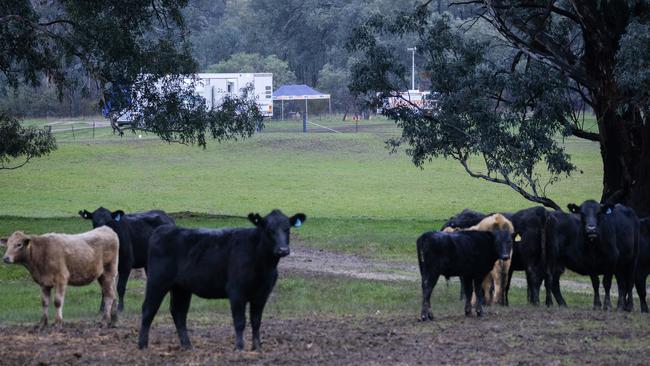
(93, 130)
(412, 49)
(282, 104)
(73, 133)
(304, 118)
(330, 106)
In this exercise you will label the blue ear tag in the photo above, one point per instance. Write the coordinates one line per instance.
(298, 223)
(609, 211)
(118, 217)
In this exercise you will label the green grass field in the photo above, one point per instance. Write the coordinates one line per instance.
(325, 175)
(358, 199)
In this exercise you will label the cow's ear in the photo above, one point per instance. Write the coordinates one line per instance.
(256, 219)
(86, 215)
(3, 242)
(298, 219)
(117, 215)
(573, 208)
(607, 208)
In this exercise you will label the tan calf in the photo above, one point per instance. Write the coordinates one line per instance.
(58, 260)
(499, 274)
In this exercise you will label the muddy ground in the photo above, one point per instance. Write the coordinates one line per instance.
(511, 336)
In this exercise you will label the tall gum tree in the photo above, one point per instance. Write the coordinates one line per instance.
(548, 60)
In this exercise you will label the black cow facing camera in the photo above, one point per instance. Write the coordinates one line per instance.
(606, 242)
(239, 264)
(467, 254)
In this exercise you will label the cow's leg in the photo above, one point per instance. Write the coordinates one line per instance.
(629, 284)
(548, 285)
(428, 283)
(625, 294)
(479, 296)
(487, 284)
(503, 281)
(462, 288)
(507, 287)
(238, 309)
(179, 305)
(153, 297)
(595, 284)
(59, 296)
(639, 283)
(533, 285)
(468, 288)
(256, 309)
(122, 280)
(45, 302)
(108, 297)
(607, 285)
(556, 290)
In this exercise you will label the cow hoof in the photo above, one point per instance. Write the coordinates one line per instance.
(120, 308)
(644, 309)
(426, 315)
(468, 313)
(142, 346)
(479, 314)
(187, 347)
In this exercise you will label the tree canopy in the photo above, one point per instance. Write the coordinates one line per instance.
(136, 52)
(510, 90)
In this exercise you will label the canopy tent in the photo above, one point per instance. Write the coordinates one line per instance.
(300, 92)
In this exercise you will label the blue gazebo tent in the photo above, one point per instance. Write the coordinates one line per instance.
(300, 92)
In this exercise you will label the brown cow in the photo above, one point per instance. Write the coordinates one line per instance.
(496, 278)
(58, 260)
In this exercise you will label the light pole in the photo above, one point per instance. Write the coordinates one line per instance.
(412, 49)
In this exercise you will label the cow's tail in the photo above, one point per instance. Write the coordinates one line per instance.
(543, 238)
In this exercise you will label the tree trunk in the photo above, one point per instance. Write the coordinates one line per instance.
(625, 150)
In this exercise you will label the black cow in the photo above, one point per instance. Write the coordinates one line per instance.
(238, 264)
(134, 231)
(464, 219)
(606, 243)
(535, 251)
(468, 254)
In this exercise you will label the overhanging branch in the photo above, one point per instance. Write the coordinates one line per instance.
(547, 202)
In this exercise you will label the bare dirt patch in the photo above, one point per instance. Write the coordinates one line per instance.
(513, 336)
(320, 261)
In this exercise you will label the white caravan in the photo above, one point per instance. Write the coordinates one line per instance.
(214, 87)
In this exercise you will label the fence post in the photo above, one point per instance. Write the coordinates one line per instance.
(93, 130)
(73, 133)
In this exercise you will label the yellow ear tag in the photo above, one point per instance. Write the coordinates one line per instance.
(518, 238)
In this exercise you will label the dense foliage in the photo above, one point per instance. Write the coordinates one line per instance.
(136, 52)
(514, 78)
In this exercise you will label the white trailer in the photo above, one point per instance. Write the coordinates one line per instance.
(214, 87)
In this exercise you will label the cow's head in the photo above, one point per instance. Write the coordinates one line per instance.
(101, 216)
(17, 248)
(275, 229)
(503, 241)
(591, 214)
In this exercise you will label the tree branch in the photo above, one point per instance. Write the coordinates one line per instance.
(547, 202)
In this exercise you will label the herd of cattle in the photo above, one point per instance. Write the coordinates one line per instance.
(484, 250)
(240, 264)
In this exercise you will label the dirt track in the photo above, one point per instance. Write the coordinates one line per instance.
(524, 337)
(324, 262)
